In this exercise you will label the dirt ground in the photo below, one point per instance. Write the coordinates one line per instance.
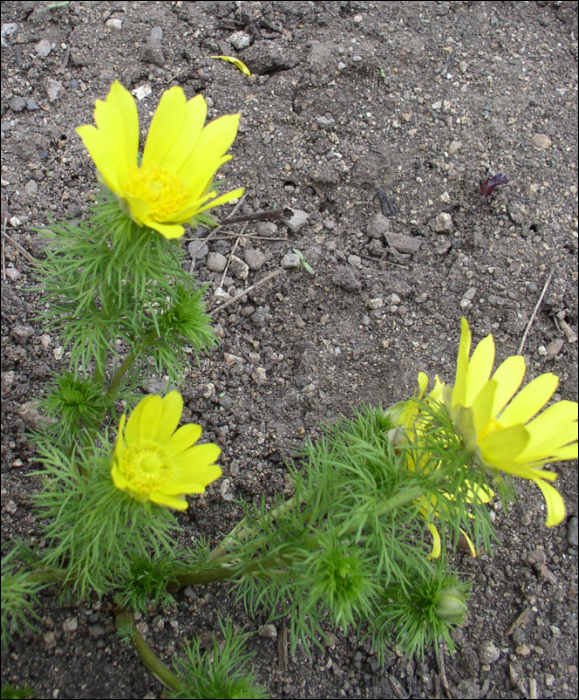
(375, 122)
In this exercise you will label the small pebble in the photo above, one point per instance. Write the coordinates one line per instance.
(290, 261)
(216, 262)
(297, 220)
(115, 24)
(488, 653)
(541, 142)
(442, 223)
(43, 48)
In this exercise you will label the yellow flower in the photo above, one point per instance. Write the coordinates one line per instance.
(174, 181)
(501, 430)
(411, 424)
(155, 462)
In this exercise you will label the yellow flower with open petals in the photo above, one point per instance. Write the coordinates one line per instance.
(153, 461)
(174, 182)
(501, 430)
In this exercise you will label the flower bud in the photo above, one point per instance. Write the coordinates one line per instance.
(451, 605)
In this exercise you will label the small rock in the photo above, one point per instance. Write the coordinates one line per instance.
(325, 122)
(267, 229)
(156, 36)
(375, 303)
(239, 40)
(290, 261)
(114, 24)
(96, 631)
(554, 348)
(43, 48)
(354, 260)
(30, 188)
(572, 532)
(403, 243)
(267, 631)
(298, 220)
(345, 278)
(8, 29)
(467, 297)
(54, 89)
(221, 295)
(378, 226)
(13, 274)
(20, 334)
(216, 262)
(441, 223)
(454, 147)
(11, 507)
(224, 487)
(518, 213)
(255, 259)
(239, 268)
(153, 53)
(393, 299)
(541, 142)
(488, 653)
(49, 641)
(197, 249)
(17, 104)
(70, 625)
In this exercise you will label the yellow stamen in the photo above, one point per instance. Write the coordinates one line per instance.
(147, 467)
(164, 191)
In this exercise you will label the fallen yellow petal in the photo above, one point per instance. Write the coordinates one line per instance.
(237, 63)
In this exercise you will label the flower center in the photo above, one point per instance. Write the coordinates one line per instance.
(147, 467)
(162, 190)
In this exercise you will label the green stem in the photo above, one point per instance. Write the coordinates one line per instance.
(240, 531)
(401, 498)
(222, 572)
(150, 338)
(159, 670)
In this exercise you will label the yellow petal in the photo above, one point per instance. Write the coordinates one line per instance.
(542, 446)
(100, 152)
(133, 429)
(422, 383)
(524, 471)
(194, 458)
(530, 400)
(227, 197)
(171, 410)
(502, 446)
(163, 499)
(196, 113)
(114, 144)
(236, 62)
(214, 141)
(554, 502)
(480, 368)
(436, 546)
(195, 481)
(483, 405)
(470, 544)
(183, 439)
(166, 126)
(169, 231)
(118, 477)
(509, 376)
(459, 390)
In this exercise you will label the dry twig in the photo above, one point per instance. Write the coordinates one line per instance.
(535, 310)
